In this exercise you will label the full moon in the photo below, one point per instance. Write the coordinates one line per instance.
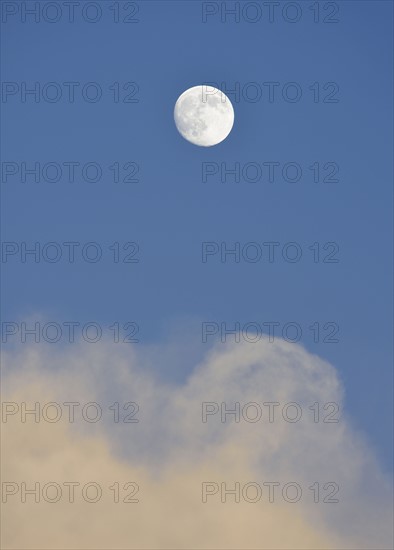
(204, 115)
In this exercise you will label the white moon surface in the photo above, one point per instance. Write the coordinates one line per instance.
(204, 115)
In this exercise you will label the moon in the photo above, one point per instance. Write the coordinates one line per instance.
(204, 115)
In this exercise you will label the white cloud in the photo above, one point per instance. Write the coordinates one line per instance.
(170, 452)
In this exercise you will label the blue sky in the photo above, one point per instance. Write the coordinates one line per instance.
(169, 212)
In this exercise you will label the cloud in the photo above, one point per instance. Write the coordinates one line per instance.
(171, 452)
